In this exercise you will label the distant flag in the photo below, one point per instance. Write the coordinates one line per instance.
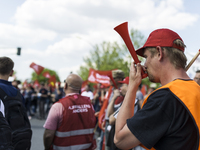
(46, 74)
(25, 84)
(102, 111)
(95, 89)
(112, 79)
(52, 80)
(144, 89)
(84, 85)
(38, 69)
(36, 84)
(97, 76)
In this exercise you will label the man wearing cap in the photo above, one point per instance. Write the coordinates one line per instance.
(71, 121)
(123, 90)
(113, 112)
(169, 118)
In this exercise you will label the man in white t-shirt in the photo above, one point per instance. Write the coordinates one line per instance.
(88, 93)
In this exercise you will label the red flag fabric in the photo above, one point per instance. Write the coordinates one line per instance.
(25, 84)
(111, 78)
(102, 112)
(36, 84)
(143, 89)
(95, 89)
(46, 74)
(38, 69)
(84, 85)
(52, 80)
(96, 76)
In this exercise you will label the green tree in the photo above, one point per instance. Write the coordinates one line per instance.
(108, 56)
(41, 78)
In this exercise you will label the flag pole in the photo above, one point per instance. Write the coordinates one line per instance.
(192, 61)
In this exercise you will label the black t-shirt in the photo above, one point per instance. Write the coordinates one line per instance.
(164, 123)
(43, 91)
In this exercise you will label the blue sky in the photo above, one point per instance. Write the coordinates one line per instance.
(58, 34)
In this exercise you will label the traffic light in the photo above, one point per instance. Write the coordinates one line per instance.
(19, 51)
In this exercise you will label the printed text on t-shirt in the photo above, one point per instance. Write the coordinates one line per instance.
(79, 108)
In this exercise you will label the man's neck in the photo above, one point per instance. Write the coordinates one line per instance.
(171, 74)
(67, 92)
(4, 77)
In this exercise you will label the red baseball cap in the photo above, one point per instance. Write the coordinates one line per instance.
(163, 38)
(126, 80)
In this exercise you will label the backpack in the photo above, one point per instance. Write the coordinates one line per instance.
(16, 116)
(5, 134)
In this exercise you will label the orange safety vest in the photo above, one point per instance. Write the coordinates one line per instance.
(188, 92)
(77, 128)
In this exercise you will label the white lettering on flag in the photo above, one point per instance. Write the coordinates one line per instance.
(36, 67)
(91, 78)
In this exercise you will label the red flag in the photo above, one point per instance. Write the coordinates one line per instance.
(111, 78)
(25, 84)
(52, 80)
(96, 76)
(95, 89)
(36, 84)
(38, 69)
(46, 74)
(84, 85)
(102, 112)
(143, 89)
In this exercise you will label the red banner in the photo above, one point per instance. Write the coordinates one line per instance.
(102, 111)
(38, 69)
(143, 89)
(52, 80)
(96, 76)
(25, 84)
(36, 84)
(84, 85)
(46, 74)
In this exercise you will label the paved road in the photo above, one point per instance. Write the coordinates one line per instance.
(38, 131)
(37, 137)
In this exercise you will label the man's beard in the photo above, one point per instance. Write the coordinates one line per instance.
(151, 77)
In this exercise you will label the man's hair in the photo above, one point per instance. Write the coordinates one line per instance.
(6, 65)
(198, 71)
(176, 57)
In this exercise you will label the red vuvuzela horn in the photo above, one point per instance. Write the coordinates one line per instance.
(122, 29)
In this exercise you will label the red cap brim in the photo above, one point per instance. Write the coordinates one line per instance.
(140, 51)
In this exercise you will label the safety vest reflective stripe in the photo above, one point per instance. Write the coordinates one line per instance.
(74, 147)
(75, 132)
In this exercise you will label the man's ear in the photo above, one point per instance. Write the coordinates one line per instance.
(160, 52)
(65, 86)
(11, 73)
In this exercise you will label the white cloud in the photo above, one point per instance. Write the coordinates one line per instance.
(67, 46)
(17, 35)
(59, 33)
(82, 16)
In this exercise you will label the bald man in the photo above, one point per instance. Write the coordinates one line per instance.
(71, 121)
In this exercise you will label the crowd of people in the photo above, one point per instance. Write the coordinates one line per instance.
(120, 116)
(39, 98)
